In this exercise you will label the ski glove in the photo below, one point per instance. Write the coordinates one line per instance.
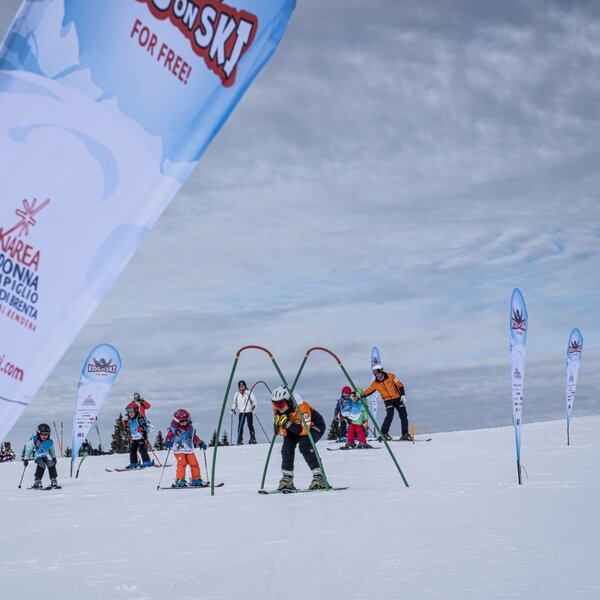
(282, 421)
(25, 462)
(202, 445)
(403, 400)
(233, 411)
(169, 444)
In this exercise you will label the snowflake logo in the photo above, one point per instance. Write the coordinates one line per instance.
(27, 215)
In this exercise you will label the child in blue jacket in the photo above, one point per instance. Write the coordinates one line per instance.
(40, 448)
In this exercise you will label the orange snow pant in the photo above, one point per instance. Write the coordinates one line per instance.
(187, 459)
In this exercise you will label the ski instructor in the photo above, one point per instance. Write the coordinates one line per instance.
(391, 390)
(288, 424)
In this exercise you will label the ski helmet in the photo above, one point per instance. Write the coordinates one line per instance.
(377, 368)
(280, 397)
(242, 382)
(346, 390)
(359, 392)
(43, 428)
(280, 393)
(132, 406)
(181, 415)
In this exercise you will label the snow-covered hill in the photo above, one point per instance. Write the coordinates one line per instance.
(464, 529)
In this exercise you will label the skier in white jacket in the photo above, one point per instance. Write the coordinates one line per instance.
(244, 403)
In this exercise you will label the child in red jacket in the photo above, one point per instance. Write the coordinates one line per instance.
(183, 439)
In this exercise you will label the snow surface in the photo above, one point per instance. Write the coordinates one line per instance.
(464, 529)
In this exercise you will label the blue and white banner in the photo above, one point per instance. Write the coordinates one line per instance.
(518, 324)
(574, 350)
(375, 360)
(106, 106)
(99, 372)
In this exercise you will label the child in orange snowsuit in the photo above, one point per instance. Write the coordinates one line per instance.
(183, 439)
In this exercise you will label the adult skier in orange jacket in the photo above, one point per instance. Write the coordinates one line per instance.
(391, 390)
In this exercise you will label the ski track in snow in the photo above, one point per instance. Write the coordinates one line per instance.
(463, 530)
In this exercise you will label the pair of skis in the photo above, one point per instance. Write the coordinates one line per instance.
(302, 491)
(189, 487)
(353, 449)
(120, 470)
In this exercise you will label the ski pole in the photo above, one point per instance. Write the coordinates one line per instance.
(154, 453)
(22, 475)
(163, 469)
(268, 439)
(231, 424)
(205, 463)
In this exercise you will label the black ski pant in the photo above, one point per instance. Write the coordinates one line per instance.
(142, 447)
(343, 427)
(42, 462)
(288, 450)
(249, 418)
(390, 405)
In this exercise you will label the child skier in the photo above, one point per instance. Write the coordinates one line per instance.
(40, 448)
(356, 415)
(289, 425)
(138, 436)
(183, 439)
(341, 402)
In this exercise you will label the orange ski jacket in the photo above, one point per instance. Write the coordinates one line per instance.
(389, 388)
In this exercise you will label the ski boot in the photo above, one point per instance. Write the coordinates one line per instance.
(197, 483)
(37, 484)
(54, 483)
(385, 437)
(252, 439)
(342, 440)
(147, 463)
(361, 446)
(406, 437)
(133, 466)
(348, 446)
(286, 482)
(318, 482)
(180, 483)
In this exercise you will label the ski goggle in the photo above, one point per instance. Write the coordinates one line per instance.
(183, 422)
(280, 405)
(46, 433)
(130, 411)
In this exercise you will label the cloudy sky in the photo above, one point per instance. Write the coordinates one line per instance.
(390, 177)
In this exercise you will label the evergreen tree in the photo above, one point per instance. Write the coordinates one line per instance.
(334, 430)
(67, 452)
(159, 441)
(213, 439)
(120, 437)
(224, 440)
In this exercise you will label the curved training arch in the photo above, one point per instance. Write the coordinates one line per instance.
(235, 362)
(339, 362)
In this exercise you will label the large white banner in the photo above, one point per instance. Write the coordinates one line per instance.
(574, 350)
(518, 323)
(105, 108)
(99, 372)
